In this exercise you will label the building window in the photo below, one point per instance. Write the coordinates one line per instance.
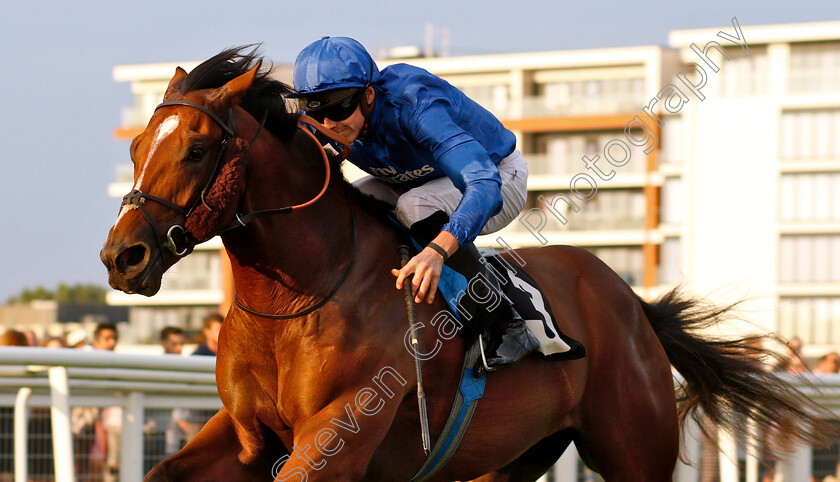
(809, 197)
(816, 320)
(670, 261)
(671, 206)
(495, 98)
(562, 154)
(810, 134)
(580, 97)
(148, 321)
(672, 141)
(199, 271)
(145, 101)
(744, 76)
(814, 67)
(809, 258)
(613, 209)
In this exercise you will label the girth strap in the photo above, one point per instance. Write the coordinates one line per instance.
(466, 399)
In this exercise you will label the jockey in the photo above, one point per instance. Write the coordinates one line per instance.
(447, 166)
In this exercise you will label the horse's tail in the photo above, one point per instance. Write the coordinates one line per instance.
(727, 378)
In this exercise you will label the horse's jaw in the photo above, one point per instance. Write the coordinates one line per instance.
(146, 285)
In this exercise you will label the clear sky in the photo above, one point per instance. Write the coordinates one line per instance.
(60, 103)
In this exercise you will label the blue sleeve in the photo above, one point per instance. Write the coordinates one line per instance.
(465, 161)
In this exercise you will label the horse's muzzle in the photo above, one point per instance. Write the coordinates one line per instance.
(129, 268)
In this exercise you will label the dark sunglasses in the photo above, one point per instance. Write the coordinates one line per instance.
(338, 111)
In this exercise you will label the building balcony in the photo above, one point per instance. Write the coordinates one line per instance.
(819, 289)
(560, 182)
(546, 166)
(132, 122)
(548, 107)
(517, 235)
(167, 298)
(543, 106)
(827, 226)
(133, 117)
(826, 164)
(125, 173)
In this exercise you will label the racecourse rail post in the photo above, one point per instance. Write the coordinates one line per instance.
(61, 433)
(21, 430)
(415, 345)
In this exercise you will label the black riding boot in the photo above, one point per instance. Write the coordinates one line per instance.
(505, 337)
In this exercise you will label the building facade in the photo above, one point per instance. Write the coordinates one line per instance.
(714, 164)
(761, 190)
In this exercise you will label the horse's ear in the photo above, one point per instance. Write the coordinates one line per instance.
(174, 87)
(232, 93)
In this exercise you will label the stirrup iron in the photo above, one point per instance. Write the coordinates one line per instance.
(487, 369)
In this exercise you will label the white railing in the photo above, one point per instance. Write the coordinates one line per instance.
(61, 378)
(64, 378)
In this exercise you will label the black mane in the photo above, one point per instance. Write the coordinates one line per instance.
(265, 95)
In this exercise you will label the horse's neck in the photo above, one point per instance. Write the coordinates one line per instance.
(285, 262)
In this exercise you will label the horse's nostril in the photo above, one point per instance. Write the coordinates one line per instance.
(130, 257)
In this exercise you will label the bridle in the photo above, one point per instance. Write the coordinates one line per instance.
(136, 199)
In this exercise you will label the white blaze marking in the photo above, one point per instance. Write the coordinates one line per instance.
(124, 210)
(165, 128)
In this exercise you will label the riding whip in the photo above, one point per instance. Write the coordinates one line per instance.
(415, 346)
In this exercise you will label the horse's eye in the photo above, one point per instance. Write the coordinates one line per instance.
(196, 153)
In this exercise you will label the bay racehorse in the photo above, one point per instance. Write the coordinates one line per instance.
(312, 367)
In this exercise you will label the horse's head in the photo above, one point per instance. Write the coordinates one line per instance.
(188, 177)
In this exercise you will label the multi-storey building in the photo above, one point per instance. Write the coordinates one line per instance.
(730, 191)
(762, 177)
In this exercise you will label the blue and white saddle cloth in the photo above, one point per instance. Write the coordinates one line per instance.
(528, 300)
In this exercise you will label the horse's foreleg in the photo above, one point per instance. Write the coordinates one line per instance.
(215, 454)
(338, 443)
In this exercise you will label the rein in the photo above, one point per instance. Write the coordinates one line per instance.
(329, 295)
(243, 220)
(137, 199)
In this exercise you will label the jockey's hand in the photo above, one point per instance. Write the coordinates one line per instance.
(426, 268)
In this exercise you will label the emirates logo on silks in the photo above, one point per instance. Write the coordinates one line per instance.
(390, 174)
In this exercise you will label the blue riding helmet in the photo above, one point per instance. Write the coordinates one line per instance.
(333, 63)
